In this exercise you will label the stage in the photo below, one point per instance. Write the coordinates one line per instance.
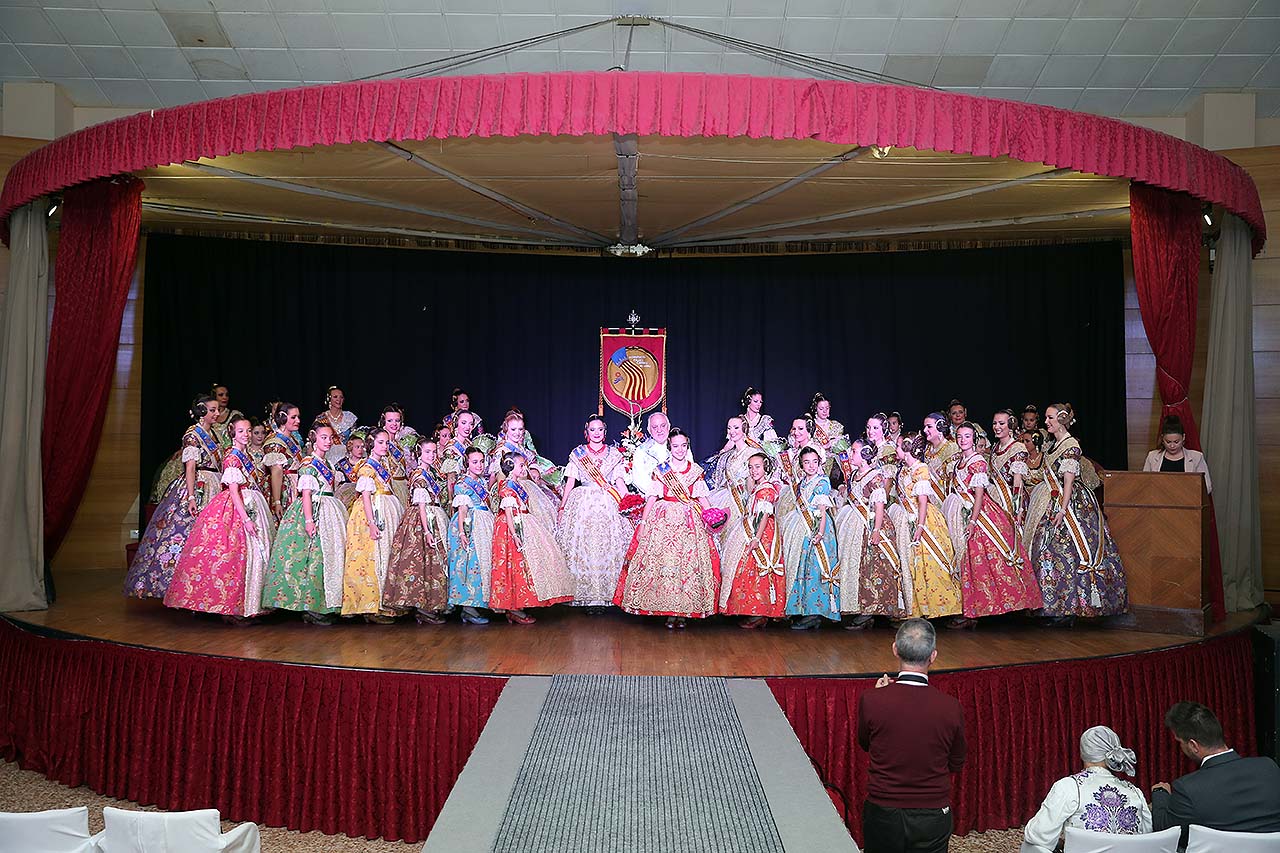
(267, 722)
(566, 641)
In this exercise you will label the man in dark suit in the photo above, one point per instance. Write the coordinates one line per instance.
(914, 735)
(1227, 791)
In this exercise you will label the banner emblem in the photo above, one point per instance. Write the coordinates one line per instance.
(633, 376)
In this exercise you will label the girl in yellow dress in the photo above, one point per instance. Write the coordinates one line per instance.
(370, 529)
(923, 541)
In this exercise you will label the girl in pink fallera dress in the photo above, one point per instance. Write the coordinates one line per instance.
(224, 560)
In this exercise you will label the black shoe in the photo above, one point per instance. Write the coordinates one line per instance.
(807, 623)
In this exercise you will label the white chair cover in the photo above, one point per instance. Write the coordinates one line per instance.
(1201, 839)
(1084, 841)
(174, 832)
(52, 831)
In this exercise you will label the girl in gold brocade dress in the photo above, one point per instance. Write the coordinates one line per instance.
(923, 544)
(675, 569)
(939, 454)
(370, 528)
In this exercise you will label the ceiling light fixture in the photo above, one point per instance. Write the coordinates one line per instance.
(635, 250)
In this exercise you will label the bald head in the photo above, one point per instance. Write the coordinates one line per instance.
(659, 426)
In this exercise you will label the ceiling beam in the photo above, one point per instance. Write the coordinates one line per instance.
(261, 219)
(494, 195)
(830, 236)
(627, 149)
(819, 169)
(879, 208)
(305, 189)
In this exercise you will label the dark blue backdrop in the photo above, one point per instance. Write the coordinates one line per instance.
(907, 331)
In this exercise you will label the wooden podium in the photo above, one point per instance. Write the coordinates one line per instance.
(1160, 522)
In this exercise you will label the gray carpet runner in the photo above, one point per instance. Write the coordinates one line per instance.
(637, 764)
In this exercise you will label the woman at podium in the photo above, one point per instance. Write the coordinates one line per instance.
(1174, 455)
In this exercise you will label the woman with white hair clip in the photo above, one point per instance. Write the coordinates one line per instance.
(1095, 799)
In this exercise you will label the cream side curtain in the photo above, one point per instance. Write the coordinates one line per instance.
(23, 346)
(1229, 431)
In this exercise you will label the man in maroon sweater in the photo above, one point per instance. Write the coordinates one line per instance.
(914, 735)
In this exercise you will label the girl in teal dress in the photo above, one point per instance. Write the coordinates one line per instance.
(814, 580)
(471, 541)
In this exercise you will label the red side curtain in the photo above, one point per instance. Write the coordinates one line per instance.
(96, 254)
(1166, 268)
(1165, 228)
(1023, 723)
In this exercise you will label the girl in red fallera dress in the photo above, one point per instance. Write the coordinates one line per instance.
(754, 583)
(528, 568)
(995, 572)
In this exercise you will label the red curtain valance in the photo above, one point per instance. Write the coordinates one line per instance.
(600, 103)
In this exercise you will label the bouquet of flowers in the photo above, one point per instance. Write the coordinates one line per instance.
(714, 518)
(631, 438)
(631, 507)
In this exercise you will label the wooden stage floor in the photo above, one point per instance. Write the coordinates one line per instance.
(89, 604)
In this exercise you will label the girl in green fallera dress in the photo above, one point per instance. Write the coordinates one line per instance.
(305, 572)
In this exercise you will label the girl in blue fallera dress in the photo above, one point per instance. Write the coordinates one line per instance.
(471, 541)
(813, 582)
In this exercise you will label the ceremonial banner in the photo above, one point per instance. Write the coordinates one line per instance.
(633, 369)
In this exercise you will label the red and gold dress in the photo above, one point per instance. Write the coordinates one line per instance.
(754, 582)
(528, 568)
(674, 567)
(995, 572)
